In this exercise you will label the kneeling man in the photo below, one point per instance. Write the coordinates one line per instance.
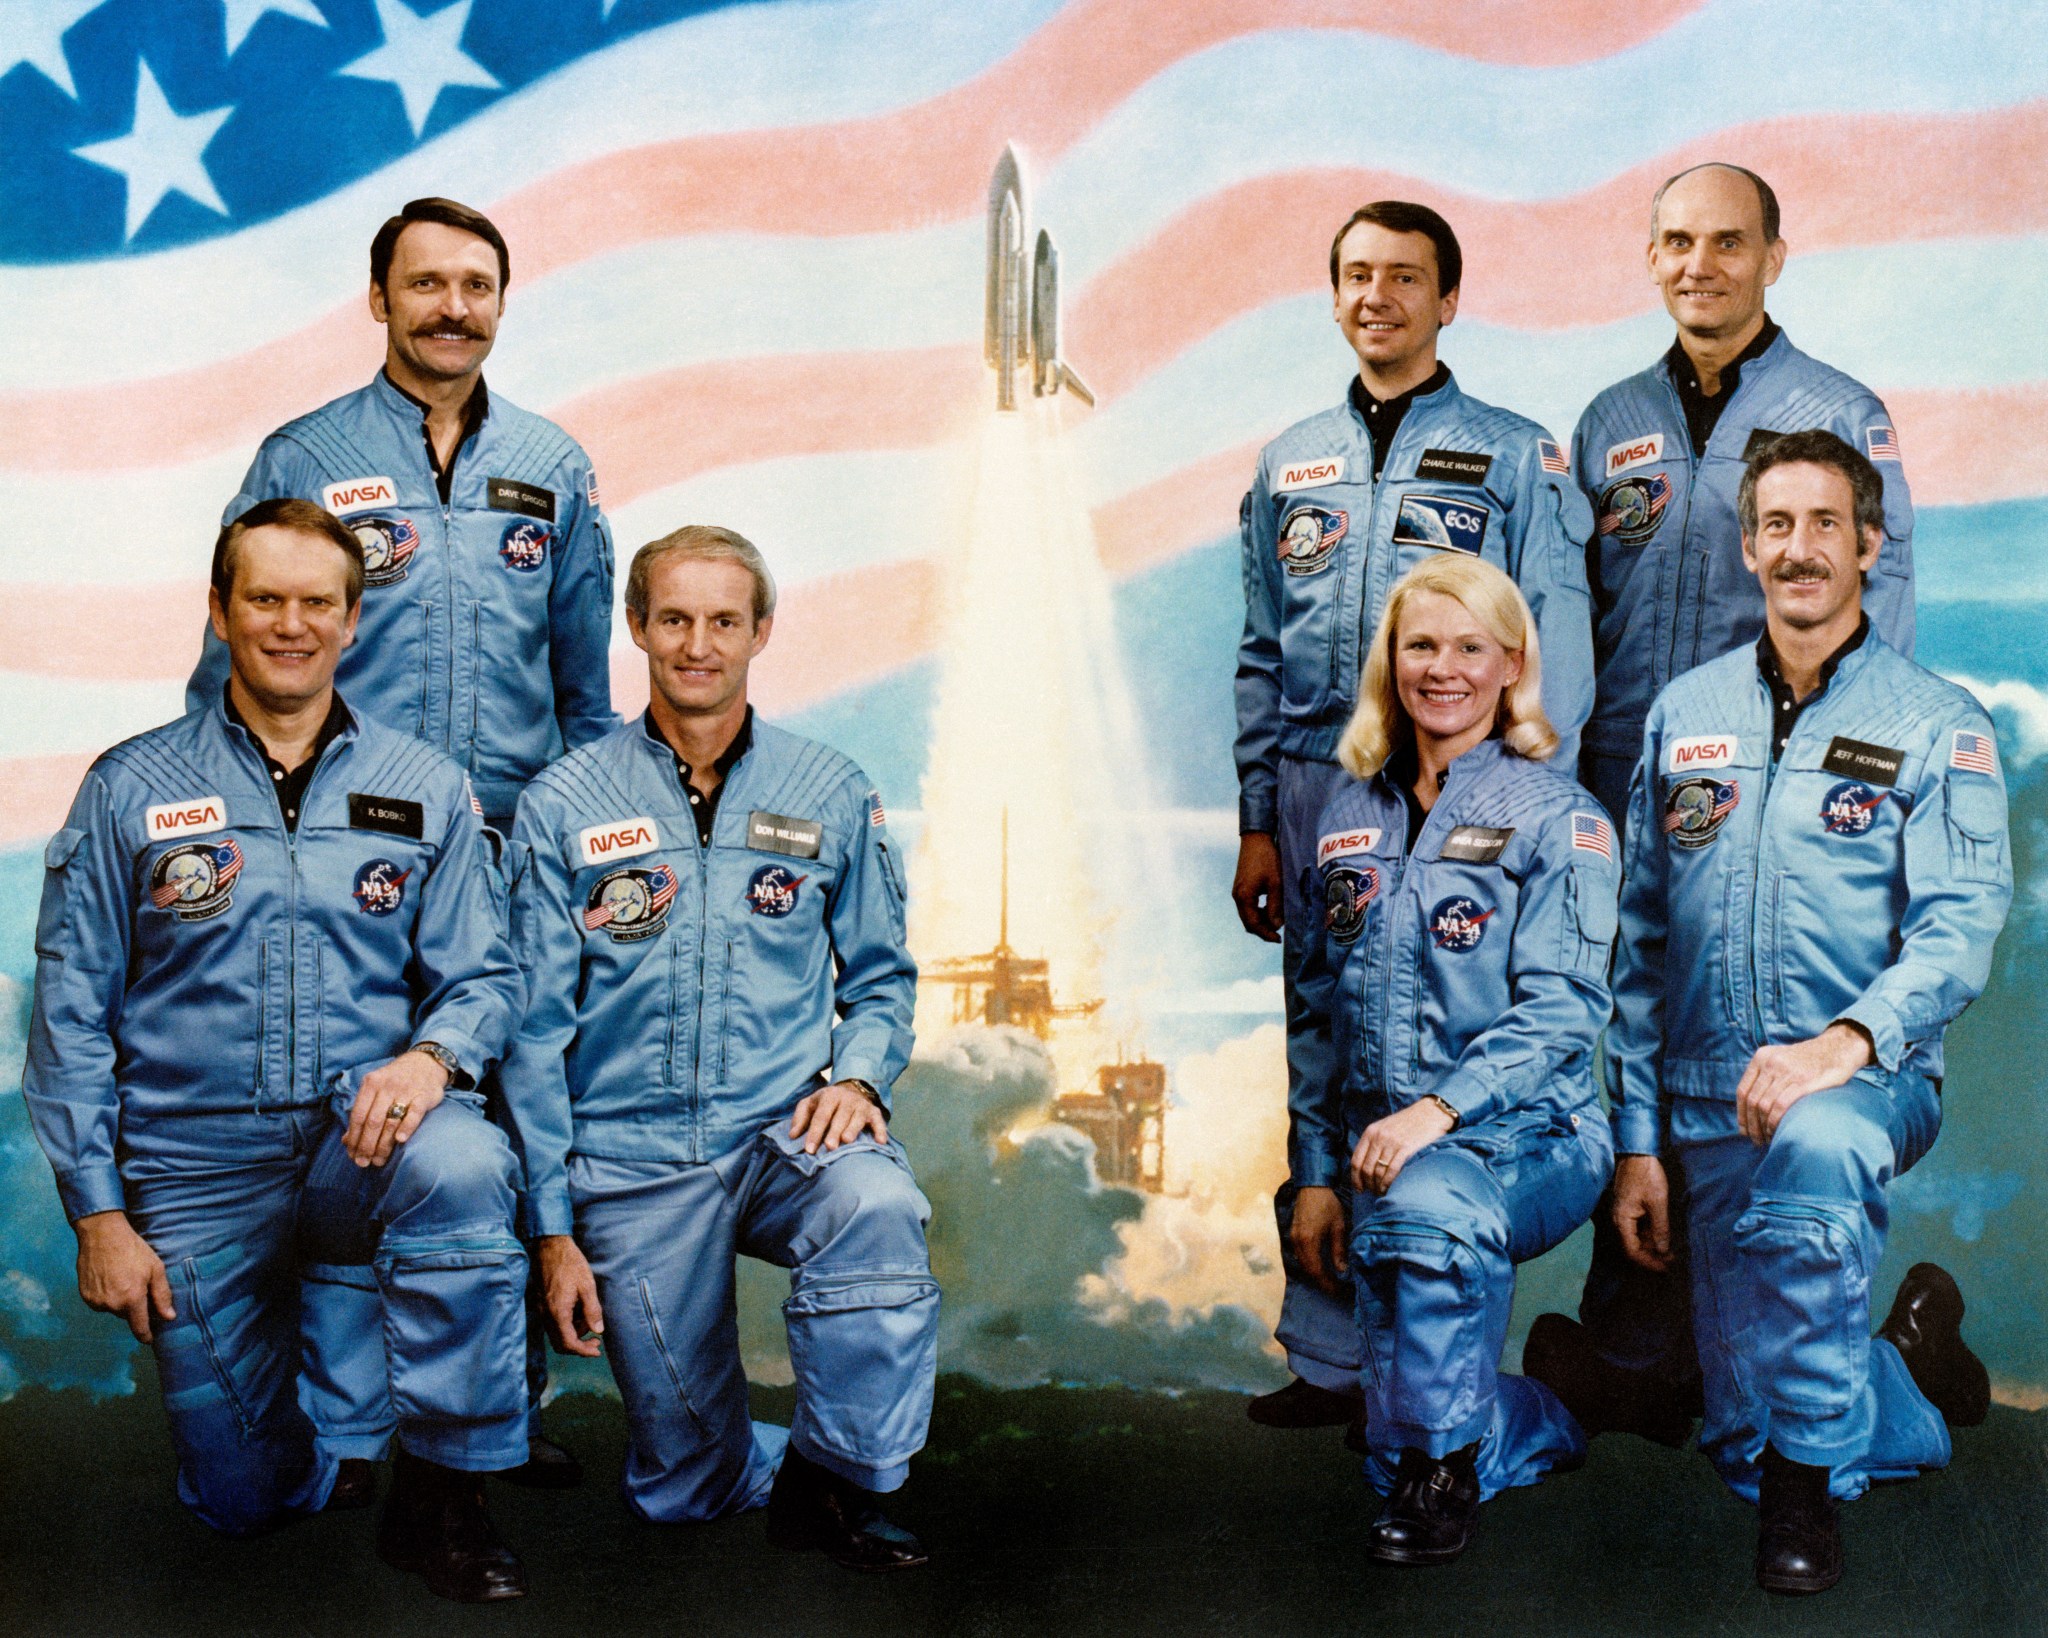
(271, 965)
(695, 897)
(1816, 870)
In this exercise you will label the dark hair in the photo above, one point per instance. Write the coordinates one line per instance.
(449, 214)
(1765, 198)
(1399, 216)
(1815, 447)
(702, 541)
(287, 513)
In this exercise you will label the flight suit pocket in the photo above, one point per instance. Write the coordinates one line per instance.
(53, 917)
(1802, 1298)
(1976, 828)
(1595, 921)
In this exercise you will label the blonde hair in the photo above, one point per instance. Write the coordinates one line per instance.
(1379, 726)
(703, 541)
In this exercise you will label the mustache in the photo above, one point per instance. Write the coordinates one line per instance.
(1802, 571)
(464, 331)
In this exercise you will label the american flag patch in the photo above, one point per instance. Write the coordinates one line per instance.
(1551, 456)
(590, 488)
(475, 806)
(1883, 443)
(1973, 752)
(876, 817)
(1594, 834)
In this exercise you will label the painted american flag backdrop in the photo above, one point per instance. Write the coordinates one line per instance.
(747, 248)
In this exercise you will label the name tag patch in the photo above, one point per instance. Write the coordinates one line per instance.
(1443, 525)
(1701, 751)
(1312, 474)
(1759, 439)
(621, 839)
(1475, 844)
(388, 814)
(1635, 452)
(1873, 764)
(353, 494)
(778, 833)
(1340, 842)
(529, 500)
(186, 818)
(1453, 466)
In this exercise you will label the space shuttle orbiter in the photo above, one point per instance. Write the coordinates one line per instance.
(1022, 320)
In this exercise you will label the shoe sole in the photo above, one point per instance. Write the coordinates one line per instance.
(1406, 1558)
(1796, 1585)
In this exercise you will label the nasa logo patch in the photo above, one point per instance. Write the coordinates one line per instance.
(1634, 452)
(1458, 924)
(524, 545)
(1696, 809)
(1850, 808)
(380, 888)
(1309, 537)
(186, 818)
(630, 904)
(1443, 525)
(1347, 890)
(388, 545)
(771, 890)
(195, 882)
(1631, 510)
(1311, 474)
(353, 494)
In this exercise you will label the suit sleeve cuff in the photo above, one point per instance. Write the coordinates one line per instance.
(1881, 1024)
(1474, 1100)
(1319, 1171)
(89, 1190)
(550, 1212)
(1637, 1130)
(1258, 811)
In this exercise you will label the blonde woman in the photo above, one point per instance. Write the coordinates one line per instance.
(1459, 979)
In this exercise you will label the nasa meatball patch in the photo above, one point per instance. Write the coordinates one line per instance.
(524, 546)
(380, 887)
(1850, 808)
(772, 890)
(1309, 538)
(631, 904)
(1441, 524)
(1458, 924)
(196, 882)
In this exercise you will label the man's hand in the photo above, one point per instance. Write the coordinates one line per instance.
(390, 1104)
(119, 1274)
(1642, 1210)
(569, 1291)
(1387, 1144)
(1256, 887)
(1316, 1235)
(837, 1114)
(1779, 1076)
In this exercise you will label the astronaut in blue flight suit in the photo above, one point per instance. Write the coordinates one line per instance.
(1817, 867)
(1454, 989)
(485, 631)
(1661, 455)
(694, 898)
(1342, 504)
(271, 957)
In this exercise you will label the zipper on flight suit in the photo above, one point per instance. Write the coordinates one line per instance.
(1372, 507)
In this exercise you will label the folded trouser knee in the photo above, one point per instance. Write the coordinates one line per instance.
(1804, 1288)
(864, 1347)
(1425, 1301)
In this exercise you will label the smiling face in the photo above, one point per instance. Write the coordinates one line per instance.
(700, 634)
(287, 616)
(1805, 550)
(1449, 674)
(1387, 305)
(1709, 258)
(439, 304)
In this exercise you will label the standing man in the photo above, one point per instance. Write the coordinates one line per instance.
(270, 966)
(1341, 506)
(1816, 870)
(1661, 456)
(485, 631)
(696, 898)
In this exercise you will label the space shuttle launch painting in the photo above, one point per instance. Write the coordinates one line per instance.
(1022, 330)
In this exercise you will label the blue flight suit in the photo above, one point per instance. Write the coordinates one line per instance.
(683, 1002)
(1472, 968)
(210, 990)
(1862, 875)
(1323, 544)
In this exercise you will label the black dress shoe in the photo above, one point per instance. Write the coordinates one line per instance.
(435, 1525)
(1602, 1396)
(547, 1467)
(1431, 1510)
(1926, 1326)
(1799, 1532)
(813, 1509)
(355, 1485)
(1304, 1405)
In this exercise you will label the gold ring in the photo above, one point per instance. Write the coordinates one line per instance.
(398, 1111)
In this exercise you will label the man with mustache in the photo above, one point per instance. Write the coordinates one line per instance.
(485, 631)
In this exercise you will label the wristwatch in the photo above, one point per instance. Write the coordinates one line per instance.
(446, 1059)
(867, 1089)
(1447, 1107)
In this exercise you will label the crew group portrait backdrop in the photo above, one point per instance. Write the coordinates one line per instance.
(975, 318)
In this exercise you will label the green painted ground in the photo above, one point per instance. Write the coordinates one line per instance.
(1053, 1511)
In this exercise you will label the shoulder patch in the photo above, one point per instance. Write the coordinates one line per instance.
(1973, 753)
(1882, 443)
(1591, 833)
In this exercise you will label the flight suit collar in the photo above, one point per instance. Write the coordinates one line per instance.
(405, 406)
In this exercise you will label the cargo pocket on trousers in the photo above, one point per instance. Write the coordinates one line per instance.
(867, 1330)
(1804, 1290)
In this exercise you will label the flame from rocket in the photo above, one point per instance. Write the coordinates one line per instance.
(1022, 321)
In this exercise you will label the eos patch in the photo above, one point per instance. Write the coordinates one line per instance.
(1443, 525)
(621, 839)
(1475, 844)
(186, 818)
(1453, 466)
(524, 546)
(630, 904)
(1458, 924)
(1635, 452)
(388, 545)
(1347, 890)
(380, 887)
(1340, 842)
(354, 494)
(778, 833)
(1701, 751)
(1309, 537)
(1631, 510)
(1850, 808)
(196, 882)
(771, 890)
(390, 814)
(1311, 474)
(1874, 764)
(510, 495)
(1696, 809)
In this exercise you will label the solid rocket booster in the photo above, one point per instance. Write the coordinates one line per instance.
(1022, 311)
